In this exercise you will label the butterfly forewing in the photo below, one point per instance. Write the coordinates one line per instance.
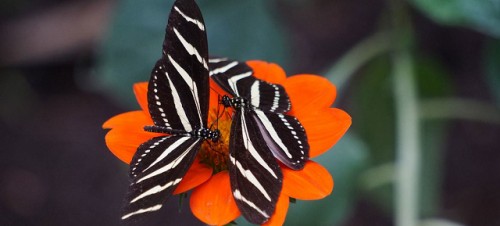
(226, 73)
(187, 50)
(285, 137)
(156, 169)
(237, 79)
(184, 71)
(256, 178)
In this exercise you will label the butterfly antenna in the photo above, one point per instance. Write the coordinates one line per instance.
(218, 116)
(217, 113)
(227, 113)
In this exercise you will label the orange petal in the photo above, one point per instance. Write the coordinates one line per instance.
(324, 128)
(213, 202)
(216, 110)
(269, 72)
(196, 175)
(278, 218)
(132, 120)
(309, 92)
(127, 133)
(312, 182)
(215, 93)
(141, 94)
(123, 143)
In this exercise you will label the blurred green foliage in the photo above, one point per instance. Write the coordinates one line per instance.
(374, 114)
(481, 15)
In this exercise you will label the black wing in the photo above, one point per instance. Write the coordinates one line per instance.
(178, 89)
(256, 178)
(156, 169)
(285, 137)
(178, 100)
(237, 79)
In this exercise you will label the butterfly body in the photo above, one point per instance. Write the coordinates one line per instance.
(235, 102)
(203, 133)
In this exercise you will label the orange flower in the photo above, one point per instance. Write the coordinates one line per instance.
(211, 200)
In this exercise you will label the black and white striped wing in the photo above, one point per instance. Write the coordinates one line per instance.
(237, 79)
(285, 137)
(284, 134)
(256, 178)
(178, 101)
(178, 89)
(156, 169)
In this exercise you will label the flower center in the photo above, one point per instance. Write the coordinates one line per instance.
(216, 154)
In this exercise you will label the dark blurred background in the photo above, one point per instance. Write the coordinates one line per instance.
(67, 66)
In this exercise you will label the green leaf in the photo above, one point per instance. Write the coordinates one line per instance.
(237, 29)
(483, 16)
(372, 110)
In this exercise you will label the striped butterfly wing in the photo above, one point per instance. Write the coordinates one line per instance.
(178, 89)
(284, 134)
(156, 169)
(237, 79)
(256, 178)
(178, 102)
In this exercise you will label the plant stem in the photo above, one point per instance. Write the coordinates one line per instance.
(408, 160)
(408, 140)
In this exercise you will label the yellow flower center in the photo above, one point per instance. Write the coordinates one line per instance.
(216, 154)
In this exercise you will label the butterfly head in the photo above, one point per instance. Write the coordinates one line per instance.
(226, 101)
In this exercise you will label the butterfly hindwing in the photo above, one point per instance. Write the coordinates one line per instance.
(256, 178)
(285, 136)
(164, 99)
(156, 169)
(267, 97)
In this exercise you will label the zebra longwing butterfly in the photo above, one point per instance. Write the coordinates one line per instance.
(178, 93)
(260, 132)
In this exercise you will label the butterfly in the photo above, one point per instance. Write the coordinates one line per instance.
(178, 93)
(261, 132)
